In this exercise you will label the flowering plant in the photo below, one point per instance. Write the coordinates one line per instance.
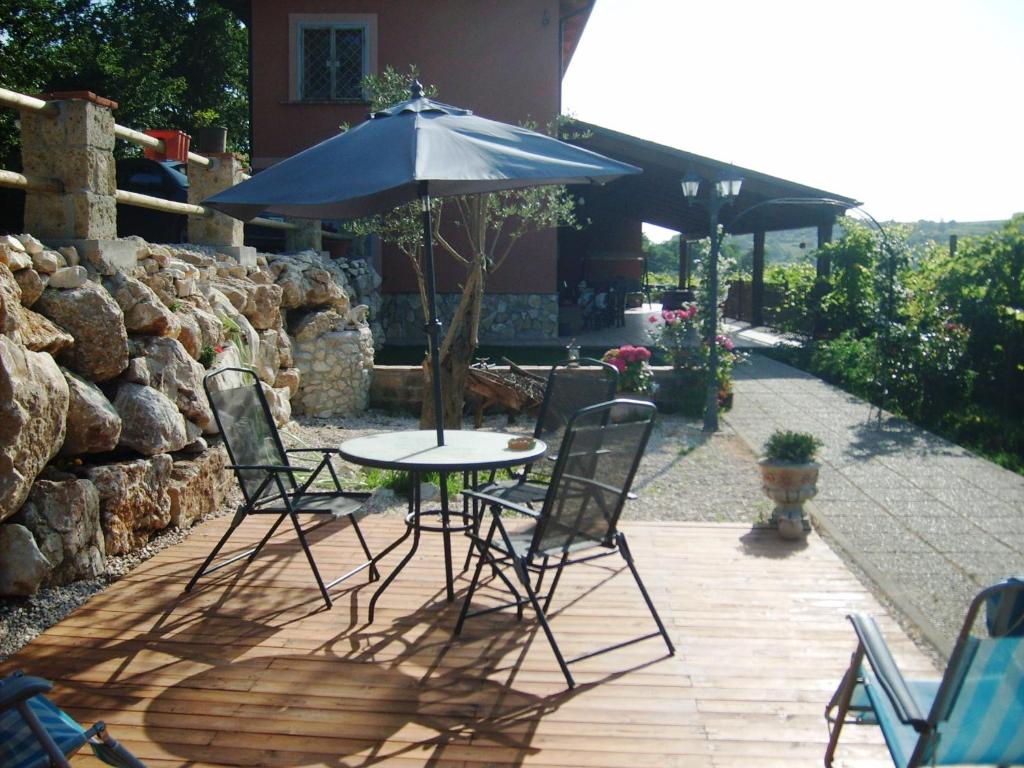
(678, 336)
(632, 363)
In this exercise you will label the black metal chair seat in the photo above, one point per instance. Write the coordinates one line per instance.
(271, 484)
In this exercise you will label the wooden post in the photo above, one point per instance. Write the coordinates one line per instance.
(824, 236)
(684, 262)
(952, 245)
(757, 287)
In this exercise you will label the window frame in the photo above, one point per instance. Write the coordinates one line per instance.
(299, 22)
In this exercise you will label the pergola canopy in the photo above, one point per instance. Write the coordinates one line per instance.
(655, 195)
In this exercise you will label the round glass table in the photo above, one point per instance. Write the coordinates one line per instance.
(416, 452)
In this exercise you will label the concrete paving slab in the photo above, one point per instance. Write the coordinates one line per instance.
(926, 520)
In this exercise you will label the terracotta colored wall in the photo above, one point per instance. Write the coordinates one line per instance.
(496, 57)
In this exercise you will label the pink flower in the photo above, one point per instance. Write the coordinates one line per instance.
(652, 319)
(619, 364)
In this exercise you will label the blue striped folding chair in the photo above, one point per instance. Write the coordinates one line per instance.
(974, 715)
(35, 733)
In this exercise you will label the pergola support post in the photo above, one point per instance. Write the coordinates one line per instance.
(684, 262)
(757, 286)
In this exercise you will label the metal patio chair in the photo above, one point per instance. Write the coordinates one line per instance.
(973, 715)
(34, 732)
(271, 484)
(570, 387)
(578, 522)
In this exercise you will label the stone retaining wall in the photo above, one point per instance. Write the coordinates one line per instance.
(104, 421)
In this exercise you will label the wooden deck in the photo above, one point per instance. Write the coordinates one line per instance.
(251, 670)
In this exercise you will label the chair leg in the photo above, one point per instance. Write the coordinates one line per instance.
(840, 702)
(524, 577)
(309, 557)
(628, 557)
(374, 573)
(483, 555)
(554, 582)
(239, 516)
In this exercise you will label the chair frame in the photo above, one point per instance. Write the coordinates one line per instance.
(871, 647)
(288, 492)
(536, 563)
(18, 689)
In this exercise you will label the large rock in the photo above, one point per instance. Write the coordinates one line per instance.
(198, 486)
(10, 301)
(190, 335)
(237, 328)
(33, 409)
(144, 312)
(307, 280)
(32, 285)
(96, 322)
(133, 501)
(280, 403)
(22, 566)
(93, 424)
(150, 422)
(173, 371)
(64, 518)
(268, 361)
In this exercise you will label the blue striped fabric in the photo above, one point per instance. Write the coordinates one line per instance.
(986, 720)
(19, 747)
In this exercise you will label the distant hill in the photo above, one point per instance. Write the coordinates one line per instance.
(794, 244)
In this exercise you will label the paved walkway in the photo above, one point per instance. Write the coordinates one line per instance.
(926, 520)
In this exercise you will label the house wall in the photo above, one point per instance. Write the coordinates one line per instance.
(498, 58)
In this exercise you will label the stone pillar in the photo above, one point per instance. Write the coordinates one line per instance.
(224, 171)
(76, 148)
(306, 237)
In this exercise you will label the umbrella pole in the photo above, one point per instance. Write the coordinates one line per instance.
(434, 324)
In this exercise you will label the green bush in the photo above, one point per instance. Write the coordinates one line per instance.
(787, 447)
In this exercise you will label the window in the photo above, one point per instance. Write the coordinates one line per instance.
(333, 58)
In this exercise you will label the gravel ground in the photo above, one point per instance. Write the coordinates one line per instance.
(684, 475)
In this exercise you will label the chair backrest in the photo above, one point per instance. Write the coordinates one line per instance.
(570, 388)
(247, 426)
(978, 713)
(597, 461)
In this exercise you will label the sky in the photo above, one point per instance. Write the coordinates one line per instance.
(914, 107)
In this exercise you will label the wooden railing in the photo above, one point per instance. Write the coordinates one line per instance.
(16, 180)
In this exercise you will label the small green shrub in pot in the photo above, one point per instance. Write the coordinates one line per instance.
(786, 447)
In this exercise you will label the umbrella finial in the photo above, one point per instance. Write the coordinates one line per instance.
(417, 89)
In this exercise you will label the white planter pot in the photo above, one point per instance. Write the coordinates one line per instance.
(789, 486)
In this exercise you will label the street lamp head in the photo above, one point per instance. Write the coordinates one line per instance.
(691, 185)
(727, 187)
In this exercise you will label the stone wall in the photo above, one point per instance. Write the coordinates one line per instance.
(105, 428)
(504, 316)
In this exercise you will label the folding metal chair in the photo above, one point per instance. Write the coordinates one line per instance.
(35, 733)
(578, 522)
(973, 715)
(270, 483)
(570, 387)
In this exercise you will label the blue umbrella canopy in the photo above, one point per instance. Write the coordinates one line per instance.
(414, 150)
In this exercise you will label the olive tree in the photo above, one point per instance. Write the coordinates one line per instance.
(489, 226)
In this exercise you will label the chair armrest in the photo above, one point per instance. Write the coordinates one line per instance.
(889, 677)
(19, 687)
(273, 468)
(497, 500)
(313, 450)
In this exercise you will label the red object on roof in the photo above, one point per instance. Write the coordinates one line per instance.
(175, 145)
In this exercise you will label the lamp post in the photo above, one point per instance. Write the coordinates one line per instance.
(724, 190)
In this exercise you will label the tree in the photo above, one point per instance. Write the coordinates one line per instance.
(487, 225)
(167, 63)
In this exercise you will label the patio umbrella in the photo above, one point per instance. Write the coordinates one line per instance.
(413, 150)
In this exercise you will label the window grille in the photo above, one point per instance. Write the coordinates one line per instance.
(333, 62)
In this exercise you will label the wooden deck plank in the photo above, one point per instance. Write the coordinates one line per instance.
(251, 670)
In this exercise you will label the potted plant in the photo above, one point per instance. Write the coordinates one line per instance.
(789, 477)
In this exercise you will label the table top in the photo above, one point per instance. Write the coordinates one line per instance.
(417, 450)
